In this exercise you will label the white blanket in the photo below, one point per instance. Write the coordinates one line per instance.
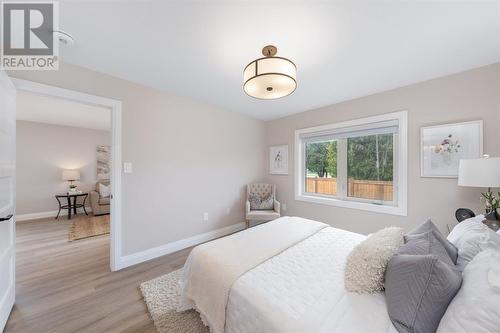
(301, 290)
(212, 268)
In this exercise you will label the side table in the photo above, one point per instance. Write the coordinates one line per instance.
(71, 205)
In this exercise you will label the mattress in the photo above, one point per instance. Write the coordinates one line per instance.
(302, 290)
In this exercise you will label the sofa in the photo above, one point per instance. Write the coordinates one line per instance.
(100, 204)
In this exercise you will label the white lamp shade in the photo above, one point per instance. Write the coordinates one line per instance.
(71, 175)
(270, 78)
(479, 172)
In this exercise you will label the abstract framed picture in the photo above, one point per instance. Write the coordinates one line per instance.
(103, 162)
(278, 160)
(443, 146)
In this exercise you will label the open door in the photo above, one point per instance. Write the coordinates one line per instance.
(7, 196)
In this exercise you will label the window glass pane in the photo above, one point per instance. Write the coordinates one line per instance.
(321, 167)
(370, 167)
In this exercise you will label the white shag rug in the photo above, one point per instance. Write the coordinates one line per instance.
(162, 297)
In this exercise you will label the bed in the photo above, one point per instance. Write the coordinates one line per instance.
(283, 276)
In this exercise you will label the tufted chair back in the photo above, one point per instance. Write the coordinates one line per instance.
(261, 196)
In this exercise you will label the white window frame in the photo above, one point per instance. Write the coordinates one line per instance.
(398, 207)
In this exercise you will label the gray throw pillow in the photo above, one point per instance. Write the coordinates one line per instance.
(425, 243)
(430, 226)
(418, 289)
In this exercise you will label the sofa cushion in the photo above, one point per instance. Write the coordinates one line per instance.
(103, 201)
(104, 190)
(262, 215)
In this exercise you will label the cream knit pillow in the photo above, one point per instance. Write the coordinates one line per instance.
(366, 264)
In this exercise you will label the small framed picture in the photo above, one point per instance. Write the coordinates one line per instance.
(443, 146)
(278, 160)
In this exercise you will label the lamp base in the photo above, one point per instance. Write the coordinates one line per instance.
(492, 220)
(492, 216)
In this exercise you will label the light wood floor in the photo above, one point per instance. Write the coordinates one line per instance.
(68, 287)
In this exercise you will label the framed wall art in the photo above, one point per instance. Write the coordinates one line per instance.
(278, 160)
(443, 146)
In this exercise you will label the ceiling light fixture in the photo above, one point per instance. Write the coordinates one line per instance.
(270, 77)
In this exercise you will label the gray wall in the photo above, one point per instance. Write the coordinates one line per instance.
(42, 152)
(466, 96)
(188, 158)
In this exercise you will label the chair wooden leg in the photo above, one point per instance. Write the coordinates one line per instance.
(247, 223)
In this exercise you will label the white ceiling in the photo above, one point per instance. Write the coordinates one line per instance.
(343, 49)
(57, 111)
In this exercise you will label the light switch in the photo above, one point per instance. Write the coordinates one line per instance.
(127, 167)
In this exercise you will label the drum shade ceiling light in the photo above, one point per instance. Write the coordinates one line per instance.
(270, 77)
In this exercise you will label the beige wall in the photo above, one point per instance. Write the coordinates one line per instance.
(42, 152)
(466, 96)
(188, 158)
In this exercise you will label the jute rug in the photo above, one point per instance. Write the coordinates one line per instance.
(162, 296)
(84, 227)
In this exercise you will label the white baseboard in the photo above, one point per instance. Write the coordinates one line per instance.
(138, 257)
(43, 215)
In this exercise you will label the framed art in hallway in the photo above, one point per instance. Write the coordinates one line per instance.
(103, 162)
(443, 146)
(278, 160)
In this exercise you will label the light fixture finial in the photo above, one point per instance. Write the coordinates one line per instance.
(269, 51)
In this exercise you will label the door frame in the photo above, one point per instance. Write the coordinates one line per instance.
(116, 152)
(9, 298)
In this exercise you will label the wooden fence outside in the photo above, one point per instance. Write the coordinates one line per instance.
(367, 189)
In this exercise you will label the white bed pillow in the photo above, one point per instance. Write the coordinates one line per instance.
(461, 228)
(476, 307)
(471, 237)
(366, 264)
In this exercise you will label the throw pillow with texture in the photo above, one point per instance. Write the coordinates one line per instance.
(430, 226)
(104, 191)
(366, 264)
(258, 203)
(425, 243)
(418, 290)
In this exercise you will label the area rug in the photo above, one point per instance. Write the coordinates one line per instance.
(88, 227)
(162, 296)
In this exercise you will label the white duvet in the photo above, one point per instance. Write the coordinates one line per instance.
(302, 290)
(212, 268)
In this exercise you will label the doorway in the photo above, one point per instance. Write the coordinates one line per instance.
(96, 202)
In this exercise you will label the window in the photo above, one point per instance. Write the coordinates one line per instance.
(357, 164)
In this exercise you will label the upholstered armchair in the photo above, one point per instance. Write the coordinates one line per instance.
(100, 204)
(261, 203)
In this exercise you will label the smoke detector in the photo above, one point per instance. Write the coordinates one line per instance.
(64, 38)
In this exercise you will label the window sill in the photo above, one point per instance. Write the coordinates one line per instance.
(392, 210)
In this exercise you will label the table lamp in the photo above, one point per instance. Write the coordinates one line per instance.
(482, 172)
(71, 176)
